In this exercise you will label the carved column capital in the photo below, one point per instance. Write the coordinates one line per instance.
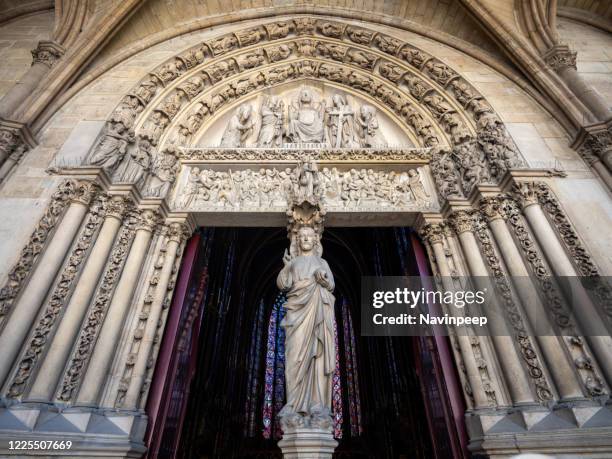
(178, 232)
(560, 57)
(462, 221)
(84, 192)
(526, 193)
(12, 144)
(491, 207)
(117, 206)
(433, 233)
(47, 53)
(147, 220)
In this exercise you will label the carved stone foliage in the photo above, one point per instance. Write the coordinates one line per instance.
(97, 312)
(591, 380)
(58, 298)
(512, 313)
(354, 189)
(560, 57)
(12, 144)
(67, 191)
(294, 154)
(47, 53)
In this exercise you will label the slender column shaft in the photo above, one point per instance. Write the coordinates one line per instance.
(586, 93)
(564, 376)
(29, 303)
(140, 366)
(515, 376)
(53, 364)
(480, 399)
(563, 267)
(109, 334)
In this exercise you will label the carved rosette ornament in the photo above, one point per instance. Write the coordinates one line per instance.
(47, 53)
(560, 57)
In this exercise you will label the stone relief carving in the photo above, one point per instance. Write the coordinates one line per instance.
(112, 147)
(306, 119)
(136, 163)
(353, 189)
(340, 123)
(47, 53)
(368, 128)
(239, 128)
(163, 173)
(271, 131)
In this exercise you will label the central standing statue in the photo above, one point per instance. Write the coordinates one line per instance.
(310, 352)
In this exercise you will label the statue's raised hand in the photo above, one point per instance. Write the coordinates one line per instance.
(286, 258)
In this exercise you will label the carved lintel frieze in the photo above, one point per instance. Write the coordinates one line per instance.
(47, 53)
(560, 57)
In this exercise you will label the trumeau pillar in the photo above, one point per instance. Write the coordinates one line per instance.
(26, 306)
(76, 309)
(513, 374)
(552, 347)
(527, 193)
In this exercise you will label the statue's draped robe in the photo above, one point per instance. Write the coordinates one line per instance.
(309, 344)
(307, 127)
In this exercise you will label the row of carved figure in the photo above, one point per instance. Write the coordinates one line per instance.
(153, 171)
(309, 121)
(353, 188)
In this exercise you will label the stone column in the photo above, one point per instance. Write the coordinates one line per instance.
(102, 356)
(434, 234)
(44, 56)
(57, 354)
(38, 285)
(176, 233)
(562, 266)
(565, 377)
(597, 165)
(514, 373)
(563, 61)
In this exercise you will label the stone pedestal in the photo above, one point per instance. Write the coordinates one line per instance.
(307, 443)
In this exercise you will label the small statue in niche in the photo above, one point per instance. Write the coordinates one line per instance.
(340, 123)
(306, 119)
(163, 173)
(368, 128)
(112, 147)
(271, 132)
(239, 128)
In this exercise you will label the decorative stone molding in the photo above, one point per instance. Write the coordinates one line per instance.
(512, 313)
(97, 312)
(47, 53)
(59, 297)
(12, 144)
(560, 57)
(490, 207)
(147, 220)
(117, 206)
(590, 377)
(295, 154)
(67, 190)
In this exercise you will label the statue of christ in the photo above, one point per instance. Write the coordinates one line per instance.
(310, 358)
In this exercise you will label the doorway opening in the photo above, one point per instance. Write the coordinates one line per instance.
(225, 385)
